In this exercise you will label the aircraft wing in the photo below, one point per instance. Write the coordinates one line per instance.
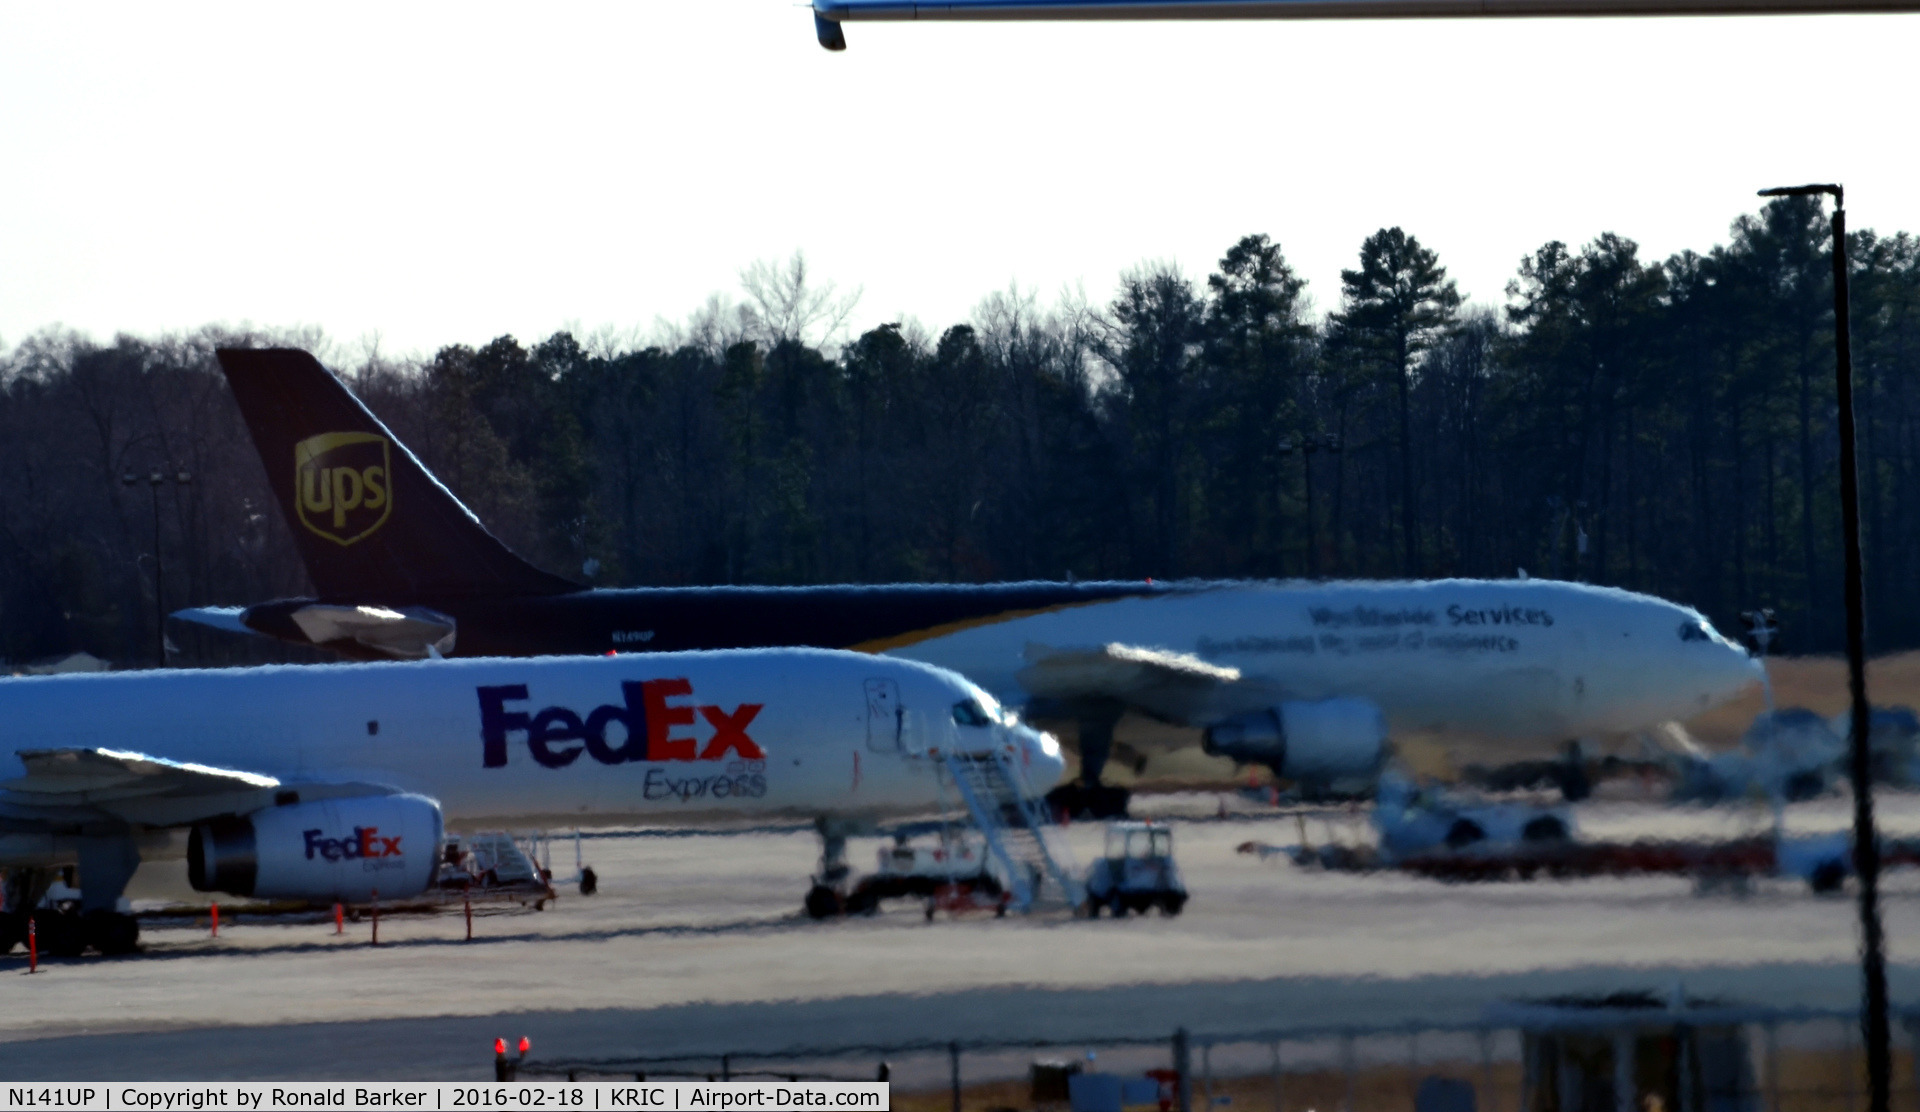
(413, 634)
(133, 787)
(1170, 686)
(829, 15)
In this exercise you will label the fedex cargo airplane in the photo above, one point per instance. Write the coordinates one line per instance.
(1306, 677)
(333, 783)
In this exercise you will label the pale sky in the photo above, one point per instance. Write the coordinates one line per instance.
(448, 173)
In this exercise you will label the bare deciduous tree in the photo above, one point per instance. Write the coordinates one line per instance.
(788, 305)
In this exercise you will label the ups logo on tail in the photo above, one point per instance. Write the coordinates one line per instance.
(341, 484)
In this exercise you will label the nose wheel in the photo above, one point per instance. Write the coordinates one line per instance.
(828, 896)
(824, 903)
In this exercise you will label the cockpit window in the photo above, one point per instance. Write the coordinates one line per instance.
(1695, 631)
(967, 712)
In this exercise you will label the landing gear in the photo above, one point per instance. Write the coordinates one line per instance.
(823, 902)
(1081, 800)
(589, 881)
(67, 926)
(1087, 797)
(110, 932)
(20, 889)
(58, 933)
(23, 890)
(828, 896)
(63, 933)
(1575, 785)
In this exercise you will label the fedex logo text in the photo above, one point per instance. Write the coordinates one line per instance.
(647, 717)
(366, 844)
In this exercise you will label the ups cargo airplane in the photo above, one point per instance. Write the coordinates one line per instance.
(1307, 678)
(828, 15)
(333, 783)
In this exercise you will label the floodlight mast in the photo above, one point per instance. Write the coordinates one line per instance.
(828, 15)
(1866, 843)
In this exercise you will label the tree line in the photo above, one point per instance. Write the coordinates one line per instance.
(1665, 426)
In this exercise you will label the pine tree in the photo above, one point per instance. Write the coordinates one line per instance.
(1397, 306)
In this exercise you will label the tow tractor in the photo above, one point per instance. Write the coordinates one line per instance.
(1137, 873)
(945, 864)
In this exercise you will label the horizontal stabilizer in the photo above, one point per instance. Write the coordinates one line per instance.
(413, 634)
(225, 618)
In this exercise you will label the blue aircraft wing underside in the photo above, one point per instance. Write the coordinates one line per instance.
(841, 11)
(829, 15)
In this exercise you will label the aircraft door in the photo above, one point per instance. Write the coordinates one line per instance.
(885, 716)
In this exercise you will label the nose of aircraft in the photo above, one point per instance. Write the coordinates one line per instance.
(1730, 670)
(1745, 668)
(1040, 756)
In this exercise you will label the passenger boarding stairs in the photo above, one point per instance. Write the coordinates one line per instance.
(1020, 834)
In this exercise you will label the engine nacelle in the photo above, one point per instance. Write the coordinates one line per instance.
(1319, 742)
(325, 850)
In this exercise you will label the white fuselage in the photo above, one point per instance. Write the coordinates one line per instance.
(1507, 659)
(664, 737)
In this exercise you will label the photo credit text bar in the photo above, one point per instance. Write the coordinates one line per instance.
(561, 1096)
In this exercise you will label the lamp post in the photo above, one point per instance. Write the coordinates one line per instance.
(1866, 845)
(155, 479)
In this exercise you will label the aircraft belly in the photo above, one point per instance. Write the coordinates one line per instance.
(1514, 703)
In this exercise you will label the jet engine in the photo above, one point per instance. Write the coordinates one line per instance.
(1321, 743)
(333, 849)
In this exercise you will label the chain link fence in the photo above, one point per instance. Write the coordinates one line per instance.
(1554, 1056)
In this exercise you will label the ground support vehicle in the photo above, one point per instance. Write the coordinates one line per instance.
(1824, 861)
(490, 865)
(1137, 873)
(944, 864)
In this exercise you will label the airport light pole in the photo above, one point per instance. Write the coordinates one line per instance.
(155, 479)
(1866, 844)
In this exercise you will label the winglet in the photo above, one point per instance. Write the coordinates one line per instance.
(828, 31)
